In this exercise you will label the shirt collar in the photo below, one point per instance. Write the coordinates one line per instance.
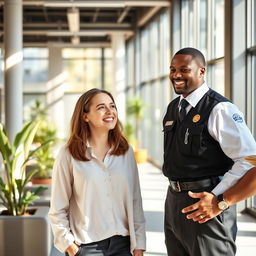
(194, 97)
(89, 151)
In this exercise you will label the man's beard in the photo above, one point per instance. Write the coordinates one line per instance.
(183, 90)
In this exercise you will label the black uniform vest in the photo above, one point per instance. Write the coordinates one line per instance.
(190, 152)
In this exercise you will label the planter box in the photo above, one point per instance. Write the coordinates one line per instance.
(25, 235)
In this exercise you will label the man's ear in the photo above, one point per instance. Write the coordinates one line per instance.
(202, 71)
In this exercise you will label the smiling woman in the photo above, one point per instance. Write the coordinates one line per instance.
(97, 162)
(102, 113)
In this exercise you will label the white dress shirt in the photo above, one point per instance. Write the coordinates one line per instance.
(94, 200)
(226, 125)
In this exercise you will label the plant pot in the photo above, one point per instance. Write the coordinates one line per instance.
(45, 181)
(141, 155)
(25, 235)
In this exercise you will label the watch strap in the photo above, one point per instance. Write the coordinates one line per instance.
(220, 198)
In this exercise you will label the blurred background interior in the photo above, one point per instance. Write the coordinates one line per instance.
(53, 51)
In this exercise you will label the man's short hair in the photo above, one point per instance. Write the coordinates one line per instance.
(193, 52)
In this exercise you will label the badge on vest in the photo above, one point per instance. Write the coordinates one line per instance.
(168, 123)
(196, 118)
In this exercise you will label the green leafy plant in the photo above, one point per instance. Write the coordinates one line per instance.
(44, 162)
(135, 110)
(46, 131)
(129, 132)
(15, 157)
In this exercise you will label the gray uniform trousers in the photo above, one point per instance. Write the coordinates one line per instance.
(184, 237)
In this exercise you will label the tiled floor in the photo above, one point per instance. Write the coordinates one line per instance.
(154, 186)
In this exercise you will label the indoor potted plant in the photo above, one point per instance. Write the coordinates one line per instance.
(19, 222)
(135, 110)
(44, 159)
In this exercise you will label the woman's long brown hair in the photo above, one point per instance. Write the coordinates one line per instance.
(80, 131)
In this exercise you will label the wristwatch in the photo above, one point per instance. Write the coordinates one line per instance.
(222, 204)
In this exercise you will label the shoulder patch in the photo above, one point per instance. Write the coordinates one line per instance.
(237, 118)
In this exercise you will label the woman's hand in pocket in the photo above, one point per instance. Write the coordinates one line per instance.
(72, 249)
(138, 252)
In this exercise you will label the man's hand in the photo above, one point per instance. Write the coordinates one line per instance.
(138, 252)
(203, 210)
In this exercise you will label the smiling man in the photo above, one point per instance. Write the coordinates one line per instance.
(205, 142)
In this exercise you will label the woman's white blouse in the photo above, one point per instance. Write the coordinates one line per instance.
(92, 201)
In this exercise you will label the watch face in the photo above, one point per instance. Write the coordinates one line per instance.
(222, 205)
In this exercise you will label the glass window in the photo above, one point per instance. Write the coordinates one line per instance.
(35, 65)
(215, 77)
(1, 105)
(187, 23)
(92, 52)
(130, 63)
(35, 70)
(164, 41)
(68, 53)
(92, 74)
(138, 61)
(1, 71)
(253, 23)
(35, 53)
(75, 74)
(148, 122)
(153, 50)
(108, 69)
(251, 20)
(1, 67)
(194, 24)
(253, 88)
(251, 78)
(203, 26)
(108, 75)
(145, 61)
(251, 64)
(1, 86)
(218, 28)
(108, 53)
(153, 58)
(254, 203)
(84, 68)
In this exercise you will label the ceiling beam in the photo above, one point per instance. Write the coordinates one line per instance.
(148, 15)
(80, 33)
(68, 45)
(95, 16)
(94, 4)
(82, 25)
(62, 12)
(123, 14)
